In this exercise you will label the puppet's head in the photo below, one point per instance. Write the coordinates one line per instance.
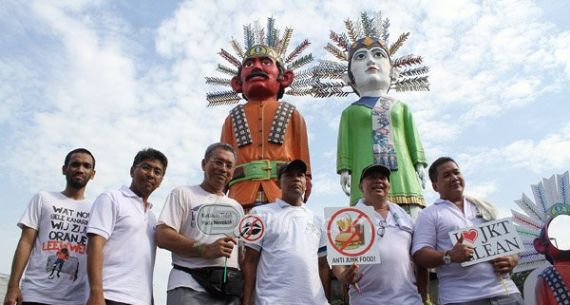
(368, 61)
(263, 69)
(554, 238)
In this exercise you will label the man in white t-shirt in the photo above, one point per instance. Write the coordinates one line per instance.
(121, 252)
(288, 264)
(53, 240)
(393, 280)
(484, 283)
(193, 251)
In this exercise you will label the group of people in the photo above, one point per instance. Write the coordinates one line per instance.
(261, 167)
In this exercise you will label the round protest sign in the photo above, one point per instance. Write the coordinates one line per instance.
(350, 232)
(251, 228)
(218, 218)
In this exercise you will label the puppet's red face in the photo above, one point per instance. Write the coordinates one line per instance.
(260, 79)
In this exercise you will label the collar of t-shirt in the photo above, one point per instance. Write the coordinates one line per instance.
(402, 220)
(283, 204)
(129, 193)
(470, 211)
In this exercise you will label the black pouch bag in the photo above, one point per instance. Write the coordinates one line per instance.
(212, 279)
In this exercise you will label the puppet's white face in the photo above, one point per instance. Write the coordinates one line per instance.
(371, 69)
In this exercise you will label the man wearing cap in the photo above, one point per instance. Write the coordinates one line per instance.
(264, 132)
(392, 281)
(484, 283)
(287, 265)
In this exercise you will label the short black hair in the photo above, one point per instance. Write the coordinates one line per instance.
(150, 154)
(433, 167)
(80, 150)
(219, 145)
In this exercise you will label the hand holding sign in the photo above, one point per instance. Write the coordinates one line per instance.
(461, 252)
(505, 264)
(221, 247)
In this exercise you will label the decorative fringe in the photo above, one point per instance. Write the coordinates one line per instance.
(237, 48)
(230, 58)
(338, 53)
(284, 43)
(222, 98)
(396, 45)
(352, 33)
(218, 81)
(300, 62)
(408, 60)
(298, 50)
(227, 70)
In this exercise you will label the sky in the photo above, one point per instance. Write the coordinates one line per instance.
(118, 76)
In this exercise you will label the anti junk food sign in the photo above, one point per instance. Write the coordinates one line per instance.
(490, 240)
(351, 236)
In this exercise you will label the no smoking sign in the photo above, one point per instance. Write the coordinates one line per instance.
(351, 236)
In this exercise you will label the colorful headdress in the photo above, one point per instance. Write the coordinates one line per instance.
(408, 73)
(262, 42)
(552, 197)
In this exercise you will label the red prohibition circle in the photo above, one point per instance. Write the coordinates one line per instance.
(357, 211)
(257, 219)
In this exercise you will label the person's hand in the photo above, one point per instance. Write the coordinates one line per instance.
(13, 296)
(96, 298)
(421, 172)
(350, 275)
(461, 252)
(345, 182)
(505, 264)
(219, 248)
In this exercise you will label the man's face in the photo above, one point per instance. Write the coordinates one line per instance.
(449, 183)
(259, 78)
(375, 186)
(219, 169)
(370, 69)
(293, 183)
(147, 176)
(79, 170)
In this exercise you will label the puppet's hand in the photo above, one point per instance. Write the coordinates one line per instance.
(345, 182)
(421, 171)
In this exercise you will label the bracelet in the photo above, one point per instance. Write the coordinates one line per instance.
(198, 249)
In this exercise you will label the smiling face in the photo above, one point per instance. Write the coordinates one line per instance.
(449, 181)
(147, 176)
(375, 187)
(218, 170)
(79, 170)
(370, 69)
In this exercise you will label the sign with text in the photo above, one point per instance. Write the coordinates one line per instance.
(218, 218)
(351, 236)
(490, 240)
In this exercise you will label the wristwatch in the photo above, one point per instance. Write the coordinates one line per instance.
(447, 257)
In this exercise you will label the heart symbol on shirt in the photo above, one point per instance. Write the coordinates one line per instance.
(470, 235)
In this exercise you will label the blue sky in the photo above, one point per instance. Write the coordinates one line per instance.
(115, 77)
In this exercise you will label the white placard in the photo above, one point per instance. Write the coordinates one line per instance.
(490, 240)
(351, 236)
(218, 218)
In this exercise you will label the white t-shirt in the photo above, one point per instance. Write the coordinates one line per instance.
(54, 275)
(179, 213)
(288, 268)
(393, 280)
(458, 284)
(129, 253)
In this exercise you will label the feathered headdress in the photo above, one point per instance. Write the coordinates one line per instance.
(408, 73)
(261, 42)
(552, 197)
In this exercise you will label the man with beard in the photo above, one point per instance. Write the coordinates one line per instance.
(288, 264)
(195, 253)
(264, 132)
(53, 222)
(121, 252)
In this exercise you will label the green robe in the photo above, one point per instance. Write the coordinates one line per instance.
(354, 151)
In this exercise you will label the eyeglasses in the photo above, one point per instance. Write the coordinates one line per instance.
(147, 168)
(381, 228)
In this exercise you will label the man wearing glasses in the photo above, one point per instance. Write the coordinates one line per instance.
(121, 249)
(393, 280)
